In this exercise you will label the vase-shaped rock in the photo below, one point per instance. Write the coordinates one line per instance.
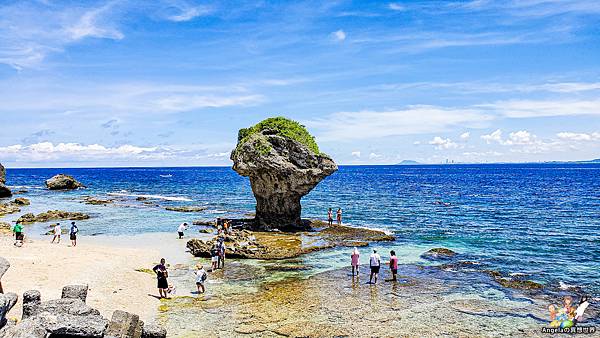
(284, 164)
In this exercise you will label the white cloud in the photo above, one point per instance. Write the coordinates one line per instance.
(544, 108)
(495, 136)
(339, 35)
(443, 143)
(355, 154)
(396, 6)
(88, 25)
(189, 13)
(412, 120)
(578, 137)
(465, 135)
(375, 156)
(417, 143)
(121, 99)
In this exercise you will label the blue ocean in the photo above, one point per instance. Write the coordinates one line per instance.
(538, 220)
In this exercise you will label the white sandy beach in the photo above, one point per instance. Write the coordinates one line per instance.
(106, 264)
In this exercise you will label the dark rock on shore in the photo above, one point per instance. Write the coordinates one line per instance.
(438, 254)
(203, 222)
(283, 163)
(186, 208)
(514, 283)
(21, 201)
(4, 191)
(97, 201)
(52, 215)
(70, 316)
(63, 182)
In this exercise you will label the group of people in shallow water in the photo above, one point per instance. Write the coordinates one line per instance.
(56, 232)
(338, 215)
(374, 265)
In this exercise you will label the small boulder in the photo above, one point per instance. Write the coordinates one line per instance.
(438, 253)
(21, 201)
(4, 191)
(32, 301)
(124, 324)
(7, 301)
(153, 331)
(187, 208)
(75, 292)
(63, 182)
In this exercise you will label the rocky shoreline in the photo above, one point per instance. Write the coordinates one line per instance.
(281, 245)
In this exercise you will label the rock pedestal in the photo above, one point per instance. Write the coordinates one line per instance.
(281, 169)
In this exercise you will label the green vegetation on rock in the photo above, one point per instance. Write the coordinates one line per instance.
(283, 127)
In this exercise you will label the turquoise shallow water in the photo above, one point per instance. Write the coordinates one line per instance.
(541, 220)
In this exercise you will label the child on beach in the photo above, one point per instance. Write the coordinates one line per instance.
(375, 263)
(57, 231)
(355, 257)
(18, 229)
(161, 275)
(568, 309)
(201, 277)
(393, 264)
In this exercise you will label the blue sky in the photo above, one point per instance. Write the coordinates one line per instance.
(169, 82)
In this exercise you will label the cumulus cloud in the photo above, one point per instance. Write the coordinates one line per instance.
(375, 156)
(443, 143)
(355, 154)
(579, 137)
(495, 136)
(76, 152)
(465, 135)
(339, 35)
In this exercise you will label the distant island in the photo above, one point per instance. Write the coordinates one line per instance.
(408, 162)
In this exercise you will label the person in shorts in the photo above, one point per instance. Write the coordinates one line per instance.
(18, 229)
(393, 264)
(201, 277)
(330, 217)
(214, 258)
(161, 275)
(73, 234)
(181, 229)
(375, 263)
(57, 232)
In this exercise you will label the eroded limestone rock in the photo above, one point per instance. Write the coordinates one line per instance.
(63, 182)
(283, 163)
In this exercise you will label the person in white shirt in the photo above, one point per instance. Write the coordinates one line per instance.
(181, 229)
(57, 231)
(375, 263)
(201, 277)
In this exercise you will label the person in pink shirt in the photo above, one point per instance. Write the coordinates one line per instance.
(393, 264)
(355, 260)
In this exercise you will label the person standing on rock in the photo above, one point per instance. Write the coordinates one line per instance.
(57, 232)
(355, 257)
(339, 216)
(18, 229)
(375, 263)
(330, 217)
(181, 229)
(393, 265)
(161, 275)
(73, 234)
